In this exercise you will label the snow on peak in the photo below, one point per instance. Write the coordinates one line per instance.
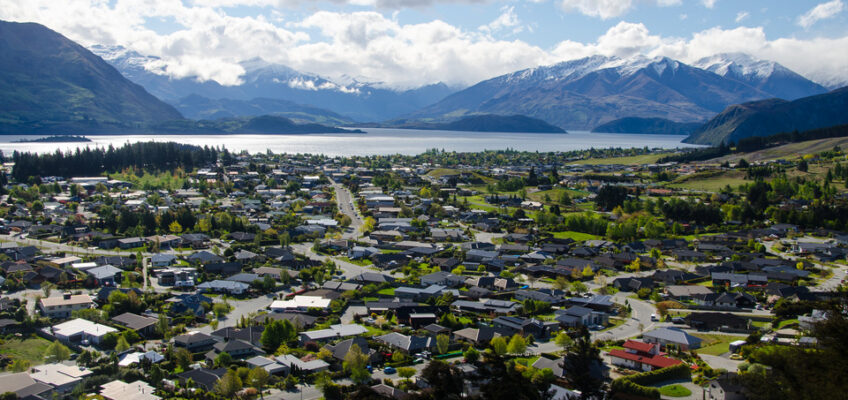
(740, 65)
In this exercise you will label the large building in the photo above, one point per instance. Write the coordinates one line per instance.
(62, 307)
(77, 330)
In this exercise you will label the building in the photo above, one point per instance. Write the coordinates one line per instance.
(120, 390)
(333, 332)
(62, 378)
(23, 386)
(62, 307)
(301, 303)
(144, 326)
(640, 356)
(725, 388)
(195, 342)
(672, 336)
(219, 286)
(77, 330)
(307, 367)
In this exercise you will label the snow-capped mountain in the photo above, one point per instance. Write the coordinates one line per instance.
(265, 80)
(765, 75)
(584, 93)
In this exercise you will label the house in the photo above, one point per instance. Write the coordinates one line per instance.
(725, 387)
(219, 286)
(640, 356)
(252, 334)
(404, 292)
(307, 366)
(106, 275)
(686, 292)
(407, 344)
(138, 357)
(203, 257)
(131, 243)
(195, 342)
(707, 321)
(480, 336)
(78, 330)
(633, 284)
(238, 349)
(390, 392)
(357, 252)
(62, 306)
(189, 303)
(144, 326)
(522, 326)
(442, 278)
(222, 269)
(575, 316)
(672, 336)
(269, 364)
(301, 303)
(203, 378)
(341, 349)
(62, 378)
(333, 332)
(162, 260)
(487, 306)
(120, 390)
(23, 386)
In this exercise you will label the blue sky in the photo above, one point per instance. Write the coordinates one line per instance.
(408, 43)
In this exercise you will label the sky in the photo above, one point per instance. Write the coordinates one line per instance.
(409, 43)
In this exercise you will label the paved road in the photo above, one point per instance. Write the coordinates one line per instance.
(345, 204)
(51, 247)
(348, 270)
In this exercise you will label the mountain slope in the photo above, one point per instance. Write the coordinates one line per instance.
(48, 83)
(354, 100)
(480, 123)
(264, 124)
(657, 126)
(585, 93)
(767, 76)
(773, 116)
(198, 107)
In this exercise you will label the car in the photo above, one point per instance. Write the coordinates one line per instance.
(735, 356)
(369, 368)
(418, 360)
(389, 370)
(653, 317)
(596, 327)
(678, 320)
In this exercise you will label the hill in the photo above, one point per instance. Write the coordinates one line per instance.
(582, 94)
(769, 117)
(198, 107)
(658, 126)
(480, 123)
(49, 84)
(768, 76)
(264, 124)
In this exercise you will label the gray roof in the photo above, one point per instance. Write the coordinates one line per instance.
(104, 272)
(673, 335)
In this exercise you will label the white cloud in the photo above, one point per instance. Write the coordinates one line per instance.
(507, 19)
(741, 16)
(709, 3)
(820, 12)
(606, 9)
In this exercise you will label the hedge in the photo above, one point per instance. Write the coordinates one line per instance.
(635, 384)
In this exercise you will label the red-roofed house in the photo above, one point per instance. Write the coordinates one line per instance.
(641, 356)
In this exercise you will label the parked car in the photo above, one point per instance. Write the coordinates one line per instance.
(389, 370)
(653, 317)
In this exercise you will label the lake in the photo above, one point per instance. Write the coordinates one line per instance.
(375, 141)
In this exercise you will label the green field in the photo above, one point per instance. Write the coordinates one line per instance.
(710, 181)
(576, 236)
(675, 391)
(31, 349)
(640, 159)
(554, 195)
(716, 344)
(387, 291)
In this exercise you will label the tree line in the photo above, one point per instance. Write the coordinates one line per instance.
(152, 156)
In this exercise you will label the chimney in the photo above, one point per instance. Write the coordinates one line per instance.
(66, 295)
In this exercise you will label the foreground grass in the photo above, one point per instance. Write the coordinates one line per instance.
(716, 344)
(675, 391)
(30, 349)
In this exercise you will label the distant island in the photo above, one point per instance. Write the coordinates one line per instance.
(477, 123)
(656, 126)
(56, 139)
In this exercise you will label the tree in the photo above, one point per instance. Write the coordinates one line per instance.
(223, 360)
(19, 365)
(517, 345)
(560, 283)
(229, 384)
(57, 352)
(47, 287)
(803, 166)
(498, 345)
(563, 340)
(276, 333)
(587, 272)
(182, 357)
(122, 345)
(442, 343)
(579, 287)
(406, 372)
(258, 378)
(581, 362)
(471, 355)
(354, 363)
(175, 227)
(162, 325)
(446, 382)
(220, 309)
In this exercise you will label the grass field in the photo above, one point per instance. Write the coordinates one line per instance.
(31, 349)
(641, 159)
(716, 344)
(787, 151)
(387, 292)
(711, 181)
(576, 236)
(787, 322)
(675, 391)
(554, 195)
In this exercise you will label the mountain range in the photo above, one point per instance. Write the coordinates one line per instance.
(768, 117)
(353, 100)
(657, 126)
(582, 94)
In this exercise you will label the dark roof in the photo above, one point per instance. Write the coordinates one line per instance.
(204, 378)
(134, 321)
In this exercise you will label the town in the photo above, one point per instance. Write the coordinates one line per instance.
(494, 275)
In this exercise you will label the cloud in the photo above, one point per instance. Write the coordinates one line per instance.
(820, 12)
(741, 16)
(507, 19)
(606, 9)
(709, 3)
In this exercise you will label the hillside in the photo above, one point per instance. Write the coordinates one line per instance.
(768, 76)
(198, 107)
(480, 123)
(265, 124)
(49, 84)
(768, 117)
(657, 126)
(585, 93)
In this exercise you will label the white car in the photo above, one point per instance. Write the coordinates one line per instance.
(653, 317)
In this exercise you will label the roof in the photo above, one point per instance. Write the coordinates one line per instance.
(22, 384)
(687, 290)
(223, 285)
(58, 374)
(673, 335)
(655, 361)
(289, 360)
(61, 301)
(134, 321)
(78, 326)
(639, 346)
(335, 331)
(301, 302)
(104, 272)
(119, 390)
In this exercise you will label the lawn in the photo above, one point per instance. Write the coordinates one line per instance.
(576, 236)
(710, 181)
(640, 159)
(31, 349)
(387, 291)
(362, 262)
(526, 361)
(716, 344)
(675, 390)
(787, 322)
(554, 195)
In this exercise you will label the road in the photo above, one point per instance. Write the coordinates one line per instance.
(51, 247)
(345, 203)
